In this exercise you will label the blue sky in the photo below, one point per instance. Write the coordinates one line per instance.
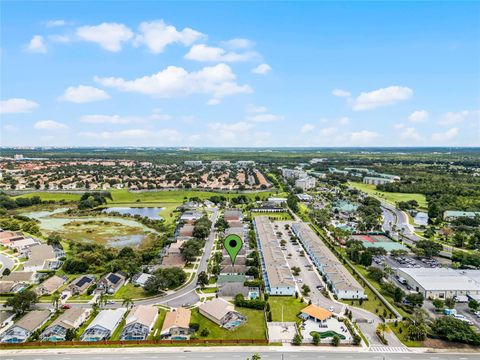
(240, 74)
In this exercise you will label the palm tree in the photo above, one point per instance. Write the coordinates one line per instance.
(383, 328)
(56, 300)
(102, 300)
(127, 302)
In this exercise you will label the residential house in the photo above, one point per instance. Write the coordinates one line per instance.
(111, 283)
(176, 324)
(139, 322)
(104, 324)
(81, 284)
(24, 328)
(71, 319)
(39, 257)
(222, 313)
(50, 285)
(6, 318)
(141, 279)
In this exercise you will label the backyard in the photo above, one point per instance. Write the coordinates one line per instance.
(289, 305)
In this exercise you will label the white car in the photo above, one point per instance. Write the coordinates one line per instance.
(331, 309)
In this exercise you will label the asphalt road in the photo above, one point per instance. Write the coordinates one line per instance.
(280, 354)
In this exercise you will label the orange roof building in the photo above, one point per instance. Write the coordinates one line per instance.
(315, 312)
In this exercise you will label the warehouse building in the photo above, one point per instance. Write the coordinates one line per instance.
(276, 273)
(342, 282)
(376, 180)
(442, 282)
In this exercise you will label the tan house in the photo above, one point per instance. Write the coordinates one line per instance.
(38, 258)
(71, 319)
(81, 284)
(24, 328)
(222, 313)
(176, 323)
(50, 285)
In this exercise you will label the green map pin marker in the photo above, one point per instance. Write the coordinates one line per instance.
(233, 244)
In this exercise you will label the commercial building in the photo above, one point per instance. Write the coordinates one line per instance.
(139, 322)
(193, 163)
(276, 273)
(71, 319)
(376, 180)
(176, 324)
(24, 328)
(222, 313)
(441, 282)
(104, 324)
(293, 174)
(245, 163)
(450, 215)
(342, 283)
(305, 183)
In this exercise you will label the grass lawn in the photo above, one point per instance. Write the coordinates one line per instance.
(389, 196)
(402, 336)
(210, 290)
(130, 291)
(55, 196)
(291, 308)
(158, 325)
(254, 328)
(118, 330)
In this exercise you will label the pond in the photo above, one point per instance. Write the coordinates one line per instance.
(149, 212)
(107, 230)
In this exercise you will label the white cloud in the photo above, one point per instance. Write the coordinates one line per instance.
(381, 97)
(265, 118)
(59, 38)
(228, 133)
(398, 126)
(119, 119)
(238, 43)
(56, 23)
(49, 125)
(202, 52)
(10, 128)
(340, 93)
(170, 134)
(445, 136)
(306, 128)
(17, 106)
(109, 36)
(344, 120)
(453, 118)
(37, 45)
(410, 133)
(262, 69)
(251, 108)
(418, 116)
(362, 137)
(157, 35)
(217, 81)
(84, 94)
(213, 101)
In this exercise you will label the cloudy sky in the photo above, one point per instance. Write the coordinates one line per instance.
(233, 74)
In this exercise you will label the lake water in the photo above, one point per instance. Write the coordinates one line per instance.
(149, 212)
(58, 223)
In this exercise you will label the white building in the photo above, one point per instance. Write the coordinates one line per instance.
(276, 273)
(305, 183)
(104, 324)
(245, 163)
(343, 284)
(193, 162)
(376, 180)
(442, 282)
(293, 174)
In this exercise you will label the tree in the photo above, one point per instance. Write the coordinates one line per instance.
(473, 305)
(71, 334)
(417, 332)
(398, 295)
(295, 270)
(335, 340)
(305, 289)
(449, 303)
(382, 328)
(6, 272)
(21, 302)
(127, 302)
(54, 239)
(316, 338)
(205, 332)
(439, 304)
(73, 266)
(429, 248)
(451, 329)
(375, 273)
(415, 299)
(297, 340)
(55, 300)
(255, 357)
(202, 279)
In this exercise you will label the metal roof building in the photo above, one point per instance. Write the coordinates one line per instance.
(103, 326)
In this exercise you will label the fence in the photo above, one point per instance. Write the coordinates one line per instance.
(134, 343)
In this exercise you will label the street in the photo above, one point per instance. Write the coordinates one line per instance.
(237, 353)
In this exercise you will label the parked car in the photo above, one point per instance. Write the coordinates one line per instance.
(66, 306)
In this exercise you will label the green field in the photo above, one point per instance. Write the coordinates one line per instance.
(388, 196)
(291, 308)
(130, 291)
(254, 328)
(52, 196)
